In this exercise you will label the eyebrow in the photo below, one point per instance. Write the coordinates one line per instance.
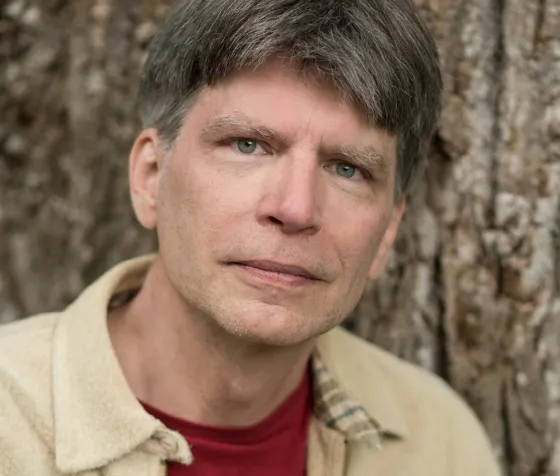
(368, 158)
(239, 124)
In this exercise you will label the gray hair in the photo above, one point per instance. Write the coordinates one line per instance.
(377, 53)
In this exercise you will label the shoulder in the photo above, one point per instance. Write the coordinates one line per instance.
(25, 375)
(416, 403)
(405, 382)
(25, 345)
(353, 357)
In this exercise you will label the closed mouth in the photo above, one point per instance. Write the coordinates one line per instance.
(275, 267)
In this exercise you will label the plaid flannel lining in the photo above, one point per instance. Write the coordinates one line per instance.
(332, 405)
(337, 410)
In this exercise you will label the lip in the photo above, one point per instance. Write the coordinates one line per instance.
(277, 273)
(276, 267)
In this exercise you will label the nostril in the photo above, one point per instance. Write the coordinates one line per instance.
(275, 220)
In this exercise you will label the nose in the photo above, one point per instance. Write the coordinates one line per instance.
(291, 197)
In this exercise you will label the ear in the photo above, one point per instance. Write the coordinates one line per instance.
(144, 170)
(380, 261)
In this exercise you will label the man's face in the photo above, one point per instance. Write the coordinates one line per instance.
(274, 206)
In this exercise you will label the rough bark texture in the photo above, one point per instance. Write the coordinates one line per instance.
(473, 289)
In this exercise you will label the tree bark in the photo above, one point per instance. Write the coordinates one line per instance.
(473, 288)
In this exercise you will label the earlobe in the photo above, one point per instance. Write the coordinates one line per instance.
(380, 261)
(144, 172)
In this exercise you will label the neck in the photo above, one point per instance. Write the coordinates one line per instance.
(177, 359)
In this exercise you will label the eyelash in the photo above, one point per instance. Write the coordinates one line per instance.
(231, 142)
(365, 174)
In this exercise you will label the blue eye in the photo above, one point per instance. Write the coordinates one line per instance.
(346, 170)
(246, 146)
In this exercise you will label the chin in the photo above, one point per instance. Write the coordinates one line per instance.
(270, 325)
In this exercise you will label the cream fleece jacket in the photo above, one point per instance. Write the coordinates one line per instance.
(66, 408)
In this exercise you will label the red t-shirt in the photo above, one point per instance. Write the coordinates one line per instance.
(277, 446)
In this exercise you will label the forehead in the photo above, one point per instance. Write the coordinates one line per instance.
(282, 97)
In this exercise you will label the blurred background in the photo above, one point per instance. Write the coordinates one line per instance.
(473, 289)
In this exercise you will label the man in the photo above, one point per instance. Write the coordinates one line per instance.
(280, 138)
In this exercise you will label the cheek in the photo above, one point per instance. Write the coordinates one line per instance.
(179, 203)
(358, 238)
(202, 202)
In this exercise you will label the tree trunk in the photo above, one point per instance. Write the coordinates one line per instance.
(473, 289)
